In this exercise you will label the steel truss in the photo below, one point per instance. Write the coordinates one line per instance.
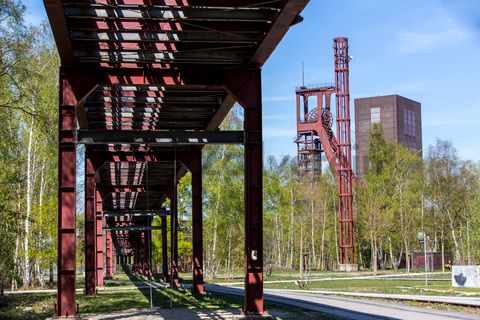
(148, 84)
(315, 135)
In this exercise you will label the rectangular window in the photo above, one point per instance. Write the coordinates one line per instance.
(412, 123)
(375, 115)
(409, 123)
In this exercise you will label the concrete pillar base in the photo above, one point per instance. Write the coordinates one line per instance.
(349, 267)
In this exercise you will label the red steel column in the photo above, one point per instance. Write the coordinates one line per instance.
(344, 167)
(246, 86)
(99, 238)
(66, 200)
(174, 238)
(197, 223)
(109, 254)
(90, 228)
(164, 248)
(148, 250)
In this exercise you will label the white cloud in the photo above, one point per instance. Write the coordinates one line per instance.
(441, 30)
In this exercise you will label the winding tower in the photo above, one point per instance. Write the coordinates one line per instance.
(315, 136)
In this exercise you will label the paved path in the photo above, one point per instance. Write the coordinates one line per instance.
(389, 276)
(169, 314)
(349, 308)
(465, 301)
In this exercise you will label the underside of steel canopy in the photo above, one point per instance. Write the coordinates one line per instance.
(145, 84)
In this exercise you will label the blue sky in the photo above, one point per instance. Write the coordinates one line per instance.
(427, 50)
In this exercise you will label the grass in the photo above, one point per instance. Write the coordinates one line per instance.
(110, 301)
(27, 306)
(294, 275)
(40, 305)
(387, 286)
(393, 284)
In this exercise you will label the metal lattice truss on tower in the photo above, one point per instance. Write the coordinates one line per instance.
(315, 135)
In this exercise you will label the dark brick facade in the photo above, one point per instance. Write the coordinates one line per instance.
(401, 119)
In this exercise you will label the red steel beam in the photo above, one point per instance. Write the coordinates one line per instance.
(174, 237)
(164, 248)
(99, 238)
(109, 254)
(278, 30)
(197, 222)
(58, 23)
(66, 200)
(245, 85)
(90, 228)
(148, 250)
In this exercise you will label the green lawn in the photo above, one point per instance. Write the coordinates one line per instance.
(397, 286)
(40, 306)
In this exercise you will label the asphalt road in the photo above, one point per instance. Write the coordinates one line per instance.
(349, 308)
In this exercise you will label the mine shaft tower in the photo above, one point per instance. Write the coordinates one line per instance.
(315, 135)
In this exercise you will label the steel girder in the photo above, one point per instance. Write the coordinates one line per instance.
(176, 65)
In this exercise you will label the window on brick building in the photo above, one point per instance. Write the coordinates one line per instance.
(375, 115)
(409, 123)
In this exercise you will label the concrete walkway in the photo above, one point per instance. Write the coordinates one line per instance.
(169, 314)
(465, 301)
(389, 276)
(349, 308)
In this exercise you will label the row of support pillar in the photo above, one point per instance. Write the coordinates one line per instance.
(245, 87)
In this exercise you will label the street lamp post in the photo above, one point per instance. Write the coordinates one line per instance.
(422, 237)
(425, 256)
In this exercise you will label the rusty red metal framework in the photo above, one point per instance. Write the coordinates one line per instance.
(315, 135)
(144, 85)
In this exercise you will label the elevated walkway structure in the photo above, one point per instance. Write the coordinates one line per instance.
(145, 84)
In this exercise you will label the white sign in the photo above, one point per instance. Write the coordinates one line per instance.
(466, 276)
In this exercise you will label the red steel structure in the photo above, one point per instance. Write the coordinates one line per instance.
(145, 85)
(315, 135)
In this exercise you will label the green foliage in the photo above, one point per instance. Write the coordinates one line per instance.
(28, 103)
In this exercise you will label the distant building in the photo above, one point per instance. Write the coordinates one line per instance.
(434, 260)
(401, 119)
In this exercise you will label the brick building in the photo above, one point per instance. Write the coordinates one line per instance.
(401, 120)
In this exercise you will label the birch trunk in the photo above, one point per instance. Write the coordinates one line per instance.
(27, 278)
(335, 234)
(454, 237)
(301, 250)
(278, 242)
(322, 247)
(17, 242)
(291, 229)
(229, 253)
(360, 257)
(392, 260)
(405, 235)
(374, 252)
(462, 245)
(443, 250)
(40, 237)
(214, 247)
(312, 234)
(407, 256)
